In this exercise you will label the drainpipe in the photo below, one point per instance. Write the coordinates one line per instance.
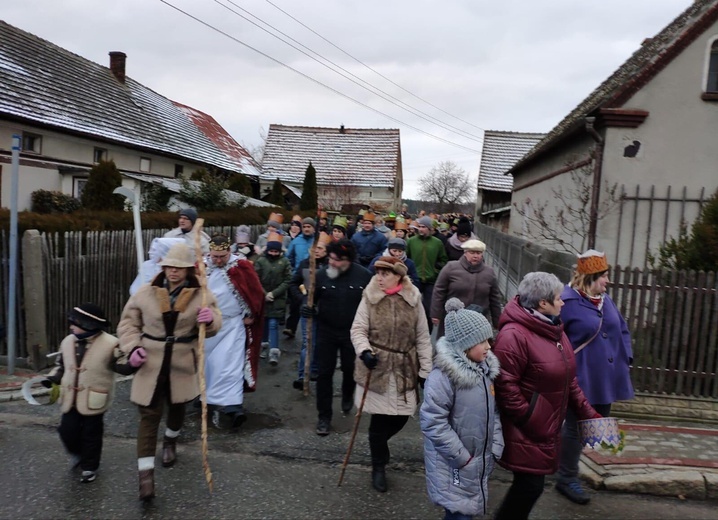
(596, 188)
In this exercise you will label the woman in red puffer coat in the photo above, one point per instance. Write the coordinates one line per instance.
(536, 384)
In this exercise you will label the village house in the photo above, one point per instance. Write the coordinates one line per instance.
(353, 165)
(499, 153)
(641, 148)
(71, 113)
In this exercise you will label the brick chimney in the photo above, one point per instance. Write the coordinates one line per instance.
(117, 65)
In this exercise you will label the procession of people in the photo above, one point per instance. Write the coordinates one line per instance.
(495, 384)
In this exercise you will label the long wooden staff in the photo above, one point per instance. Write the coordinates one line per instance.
(202, 278)
(356, 428)
(310, 303)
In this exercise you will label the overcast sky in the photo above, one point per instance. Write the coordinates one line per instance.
(517, 65)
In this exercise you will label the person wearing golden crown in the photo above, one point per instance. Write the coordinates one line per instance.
(231, 357)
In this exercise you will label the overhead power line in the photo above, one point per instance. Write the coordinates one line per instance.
(316, 81)
(372, 69)
(364, 84)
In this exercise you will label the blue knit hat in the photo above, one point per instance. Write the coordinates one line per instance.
(463, 328)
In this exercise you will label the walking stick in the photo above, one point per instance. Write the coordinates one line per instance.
(202, 277)
(310, 303)
(356, 428)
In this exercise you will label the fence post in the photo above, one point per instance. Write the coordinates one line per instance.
(34, 295)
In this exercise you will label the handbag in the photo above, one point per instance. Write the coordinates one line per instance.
(589, 340)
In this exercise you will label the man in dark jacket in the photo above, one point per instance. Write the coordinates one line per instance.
(337, 295)
(368, 242)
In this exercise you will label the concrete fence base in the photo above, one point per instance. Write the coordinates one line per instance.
(669, 407)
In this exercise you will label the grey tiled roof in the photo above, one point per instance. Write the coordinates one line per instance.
(500, 152)
(358, 156)
(45, 84)
(654, 54)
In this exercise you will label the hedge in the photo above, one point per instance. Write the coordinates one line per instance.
(84, 220)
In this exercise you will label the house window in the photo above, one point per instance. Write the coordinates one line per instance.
(31, 142)
(712, 85)
(100, 154)
(369, 194)
(78, 184)
(145, 164)
(179, 170)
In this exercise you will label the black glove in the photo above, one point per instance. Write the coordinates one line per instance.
(369, 359)
(308, 311)
(46, 383)
(421, 381)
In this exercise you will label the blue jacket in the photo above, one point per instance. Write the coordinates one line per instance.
(368, 245)
(298, 250)
(602, 366)
(460, 420)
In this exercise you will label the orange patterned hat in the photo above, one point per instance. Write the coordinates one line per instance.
(591, 262)
(324, 238)
(276, 217)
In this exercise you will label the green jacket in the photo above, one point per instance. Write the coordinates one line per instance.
(429, 255)
(274, 275)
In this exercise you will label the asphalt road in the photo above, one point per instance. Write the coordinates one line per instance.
(274, 467)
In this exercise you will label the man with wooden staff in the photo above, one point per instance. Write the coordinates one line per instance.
(337, 295)
(158, 331)
(232, 354)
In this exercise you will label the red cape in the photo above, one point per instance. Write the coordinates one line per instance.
(245, 280)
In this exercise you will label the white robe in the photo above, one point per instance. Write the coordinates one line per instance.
(225, 352)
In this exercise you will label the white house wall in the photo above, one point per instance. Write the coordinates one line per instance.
(66, 150)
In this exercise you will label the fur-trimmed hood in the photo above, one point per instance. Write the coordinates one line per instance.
(374, 294)
(463, 372)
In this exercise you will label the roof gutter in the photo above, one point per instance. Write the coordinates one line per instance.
(596, 188)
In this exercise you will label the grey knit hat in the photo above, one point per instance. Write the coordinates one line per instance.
(426, 221)
(463, 328)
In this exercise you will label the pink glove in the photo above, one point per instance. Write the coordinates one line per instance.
(138, 357)
(204, 315)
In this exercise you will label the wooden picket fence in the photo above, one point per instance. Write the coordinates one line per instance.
(673, 319)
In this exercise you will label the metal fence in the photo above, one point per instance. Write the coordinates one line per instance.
(672, 315)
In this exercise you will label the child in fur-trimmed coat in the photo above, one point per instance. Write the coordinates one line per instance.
(459, 418)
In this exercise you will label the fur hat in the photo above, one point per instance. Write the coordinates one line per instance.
(392, 264)
(396, 243)
(343, 249)
(463, 227)
(88, 316)
(591, 262)
(426, 221)
(190, 213)
(179, 255)
(242, 235)
(464, 328)
(473, 245)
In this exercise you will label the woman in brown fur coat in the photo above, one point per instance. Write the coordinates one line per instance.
(158, 331)
(391, 337)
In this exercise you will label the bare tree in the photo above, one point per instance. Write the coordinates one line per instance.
(341, 192)
(257, 151)
(447, 185)
(564, 221)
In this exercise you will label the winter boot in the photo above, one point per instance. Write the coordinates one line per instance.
(378, 478)
(147, 484)
(169, 451)
(274, 354)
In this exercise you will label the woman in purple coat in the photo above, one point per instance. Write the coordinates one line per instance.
(602, 347)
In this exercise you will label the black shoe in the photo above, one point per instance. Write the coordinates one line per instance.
(573, 491)
(238, 419)
(378, 478)
(288, 332)
(313, 376)
(347, 403)
(323, 427)
(298, 384)
(221, 421)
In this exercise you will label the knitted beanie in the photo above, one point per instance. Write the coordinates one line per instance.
(396, 243)
(591, 262)
(190, 213)
(426, 221)
(310, 221)
(463, 328)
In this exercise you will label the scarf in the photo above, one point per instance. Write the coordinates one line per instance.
(393, 290)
